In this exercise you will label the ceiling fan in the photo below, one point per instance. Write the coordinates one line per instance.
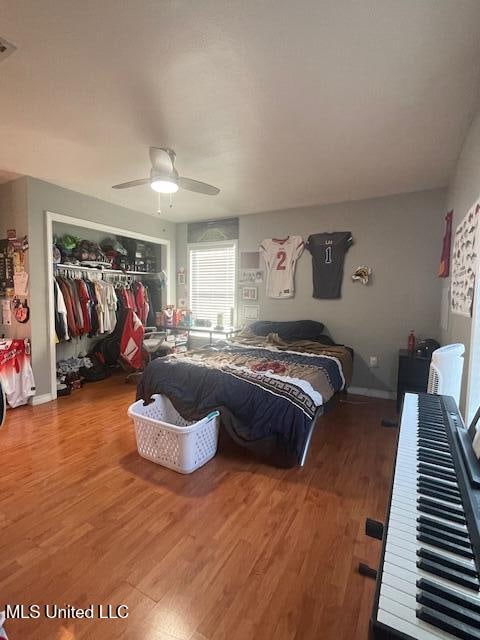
(164, 177)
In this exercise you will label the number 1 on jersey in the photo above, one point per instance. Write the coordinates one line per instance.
(328, 255)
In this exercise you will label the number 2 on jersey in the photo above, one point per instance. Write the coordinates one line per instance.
(281, 257)
(328, 255)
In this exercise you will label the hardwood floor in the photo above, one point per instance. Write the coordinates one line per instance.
(238, 550)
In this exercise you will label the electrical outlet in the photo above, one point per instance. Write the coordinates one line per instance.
(373, 362)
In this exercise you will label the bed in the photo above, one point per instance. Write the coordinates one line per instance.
(271, 383)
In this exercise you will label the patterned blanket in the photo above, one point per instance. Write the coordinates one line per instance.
(262, 392)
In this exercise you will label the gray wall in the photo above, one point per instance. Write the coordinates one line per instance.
(463, 192)
(399, 237)
(43, 196)
(13, 215)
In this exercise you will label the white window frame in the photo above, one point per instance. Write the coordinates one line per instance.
(213, 245)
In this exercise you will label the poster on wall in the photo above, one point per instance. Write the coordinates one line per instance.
(464, 263)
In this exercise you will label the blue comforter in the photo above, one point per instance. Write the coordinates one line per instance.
(267, 398)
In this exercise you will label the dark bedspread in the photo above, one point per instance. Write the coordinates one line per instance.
(260, 409)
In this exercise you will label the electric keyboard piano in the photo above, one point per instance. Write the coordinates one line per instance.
(428, 579)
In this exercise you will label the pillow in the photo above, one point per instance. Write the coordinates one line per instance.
(293, 330)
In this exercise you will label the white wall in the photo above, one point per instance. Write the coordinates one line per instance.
(462, 193)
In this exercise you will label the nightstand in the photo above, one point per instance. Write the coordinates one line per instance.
(413, 373)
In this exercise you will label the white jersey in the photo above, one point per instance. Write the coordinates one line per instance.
(280, 259)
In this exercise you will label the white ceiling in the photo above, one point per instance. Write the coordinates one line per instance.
(277, 102)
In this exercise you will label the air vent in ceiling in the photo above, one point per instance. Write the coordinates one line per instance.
(6, 48)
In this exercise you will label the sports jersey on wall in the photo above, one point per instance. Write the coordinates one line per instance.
(280, 259)
(328, 255)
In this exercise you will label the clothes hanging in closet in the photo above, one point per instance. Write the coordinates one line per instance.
(142, 301)
(83, 307)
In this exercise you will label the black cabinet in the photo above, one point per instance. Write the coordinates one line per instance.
(413, 373)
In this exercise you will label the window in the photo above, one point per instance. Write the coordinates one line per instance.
(212, 281)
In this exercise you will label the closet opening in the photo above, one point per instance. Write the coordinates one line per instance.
(93, 269)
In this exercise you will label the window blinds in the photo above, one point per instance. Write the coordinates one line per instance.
(212, 282)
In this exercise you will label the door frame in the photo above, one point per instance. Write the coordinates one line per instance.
(50, 218)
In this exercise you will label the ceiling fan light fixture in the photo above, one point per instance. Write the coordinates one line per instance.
(164, 186)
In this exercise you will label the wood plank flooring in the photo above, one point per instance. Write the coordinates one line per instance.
(238, 550)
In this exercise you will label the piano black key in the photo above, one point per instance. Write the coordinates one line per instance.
(456, 565)
(462, 599)
(436, 473)
(438, 494)
(441, 514)
(432, 426)
(463, 551)
(440, 455)
(439, 491)
(438, 485)
(430, 410)
(436, 437)
(450, 529)
(448, 624)
(458, 577)
(436, 461)
(439, 482)
(444, 535)
(442, 526)
(449, 508)
(431, 416)
(449, 608)
(428, 451)
(435, 445)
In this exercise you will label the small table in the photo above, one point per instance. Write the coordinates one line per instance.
(226, 332)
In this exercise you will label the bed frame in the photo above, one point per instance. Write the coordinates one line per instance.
(321, 411)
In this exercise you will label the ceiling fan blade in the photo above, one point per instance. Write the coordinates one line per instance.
(132, 183)
(198, 187)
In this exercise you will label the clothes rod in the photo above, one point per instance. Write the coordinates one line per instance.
(78, 267)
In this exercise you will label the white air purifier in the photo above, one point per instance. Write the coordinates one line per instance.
(446, 371)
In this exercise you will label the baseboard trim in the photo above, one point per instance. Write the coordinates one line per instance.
(372, 393)
(41, 399)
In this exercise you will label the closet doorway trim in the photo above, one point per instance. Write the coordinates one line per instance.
(50, 218)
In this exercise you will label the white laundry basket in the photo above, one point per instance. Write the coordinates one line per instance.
(166, 438)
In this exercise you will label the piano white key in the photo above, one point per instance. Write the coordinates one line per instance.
(403, 598)
(407, 473)
(409, 577)
(405, 513)
(409, 499)
(408, 548)
(393, 613)
(398, 590)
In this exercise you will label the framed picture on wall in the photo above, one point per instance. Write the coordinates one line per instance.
(251, 312)
(181, 277)
(250, 276)
(250, 293)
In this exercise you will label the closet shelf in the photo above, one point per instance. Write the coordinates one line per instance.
(78, 267)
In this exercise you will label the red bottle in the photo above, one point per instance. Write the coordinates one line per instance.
(411, 342)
